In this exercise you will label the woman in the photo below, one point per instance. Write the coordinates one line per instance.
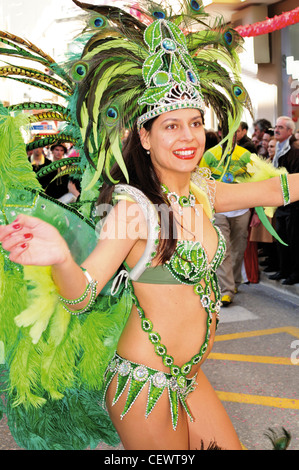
(271, 149)
(176, 142)
(158, 236)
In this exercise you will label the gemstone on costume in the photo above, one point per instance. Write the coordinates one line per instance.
(124, 368)
(167, 360)
(159, 379)
(205, 301)
(173, 384)
(140, 373)
(154, 337)
(181, 381)
(191, 76)
(113, 365)
(160, 349)
(168, 45)
(147, 325)
(161, 78)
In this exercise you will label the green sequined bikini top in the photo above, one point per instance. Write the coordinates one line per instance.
(188, 264)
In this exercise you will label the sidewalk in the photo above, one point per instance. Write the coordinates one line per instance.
(292, 291)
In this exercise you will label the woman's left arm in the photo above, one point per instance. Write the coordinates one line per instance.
(267, 193)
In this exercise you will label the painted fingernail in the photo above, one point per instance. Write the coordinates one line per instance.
(23, 246)
(28, 236)
(16, 226)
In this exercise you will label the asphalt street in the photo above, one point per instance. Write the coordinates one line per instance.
(253, 366)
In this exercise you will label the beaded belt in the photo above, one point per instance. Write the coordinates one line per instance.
(137, 375)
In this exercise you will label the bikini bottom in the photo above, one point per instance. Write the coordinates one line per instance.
(137, 376)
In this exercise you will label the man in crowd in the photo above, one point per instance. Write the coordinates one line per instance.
(287, 217)
(54, 184)
(242, 138)
(260, 127)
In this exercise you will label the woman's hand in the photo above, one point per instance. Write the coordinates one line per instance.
(31, 241)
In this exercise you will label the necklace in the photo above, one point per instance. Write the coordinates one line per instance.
(181, 201)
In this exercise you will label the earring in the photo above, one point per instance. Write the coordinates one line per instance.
(148, 152)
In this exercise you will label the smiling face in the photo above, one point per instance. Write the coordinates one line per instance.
(176, 141)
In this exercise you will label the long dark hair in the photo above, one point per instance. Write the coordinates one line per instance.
(142, 176)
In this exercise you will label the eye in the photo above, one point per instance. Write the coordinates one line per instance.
(197, 123)
(171, 126)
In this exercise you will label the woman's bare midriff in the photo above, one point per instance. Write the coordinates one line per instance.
(177, 316)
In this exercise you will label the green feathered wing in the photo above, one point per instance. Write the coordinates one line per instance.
(52, 363)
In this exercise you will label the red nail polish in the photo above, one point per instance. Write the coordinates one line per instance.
(16, 226)
(24, 245)
(28, 236)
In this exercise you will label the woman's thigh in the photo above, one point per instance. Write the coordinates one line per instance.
(211, 424)
(152, 433)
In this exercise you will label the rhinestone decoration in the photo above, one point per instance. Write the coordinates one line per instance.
(140, 373)
(124, 368)
(159, 379)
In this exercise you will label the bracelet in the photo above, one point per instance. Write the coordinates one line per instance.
(90, 288)
(285, 189)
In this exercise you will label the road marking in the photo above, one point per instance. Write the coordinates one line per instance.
(249, 358)
(259, 400)
(250, 334)
(235, 313)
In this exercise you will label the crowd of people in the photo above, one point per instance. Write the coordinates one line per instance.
(250, 247)
(56, 184)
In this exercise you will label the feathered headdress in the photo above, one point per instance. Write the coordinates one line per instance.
(138, 61)
(143, 61)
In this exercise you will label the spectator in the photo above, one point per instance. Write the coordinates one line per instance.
(242, 138)
(265, 142)
(55, 185)
(38, 159)
(287, 217)
(212, 139)
(271, 148)
(260, 127)
(233, 224)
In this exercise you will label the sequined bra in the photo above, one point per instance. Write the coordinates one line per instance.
(188, 264)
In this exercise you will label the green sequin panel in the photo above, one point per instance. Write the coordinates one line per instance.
(135, 388)
(153, 397)
(121, 385)
(174, 406)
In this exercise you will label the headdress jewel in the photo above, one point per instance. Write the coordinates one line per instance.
(170, 75)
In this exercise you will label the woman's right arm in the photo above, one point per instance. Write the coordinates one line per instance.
(31, 241)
